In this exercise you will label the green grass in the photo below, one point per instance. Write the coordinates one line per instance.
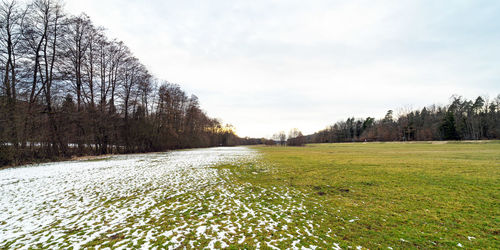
(374, 195)
(402, 195)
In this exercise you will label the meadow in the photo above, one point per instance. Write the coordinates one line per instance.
(326, 196)
(391, 195)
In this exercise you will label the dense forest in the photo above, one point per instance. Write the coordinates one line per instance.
(67, 89)
(462, 119)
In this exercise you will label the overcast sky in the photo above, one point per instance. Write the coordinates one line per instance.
(271, 65)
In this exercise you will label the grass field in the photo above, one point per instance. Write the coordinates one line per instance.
(374, 195)
(389, 195)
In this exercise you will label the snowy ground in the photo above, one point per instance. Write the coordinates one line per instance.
(175, 199)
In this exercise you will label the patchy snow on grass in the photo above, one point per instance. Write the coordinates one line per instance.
(73, 203)
(174, 199)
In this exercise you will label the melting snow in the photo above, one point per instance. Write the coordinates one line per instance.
(147, 201)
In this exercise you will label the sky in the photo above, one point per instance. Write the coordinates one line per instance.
(271, 65)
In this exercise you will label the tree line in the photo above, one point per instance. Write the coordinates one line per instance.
(294, 138)
(462, 119)
(67, 89)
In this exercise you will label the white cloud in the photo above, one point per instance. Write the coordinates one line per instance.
(266, 66)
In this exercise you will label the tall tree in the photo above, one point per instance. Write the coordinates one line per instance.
(11, 18)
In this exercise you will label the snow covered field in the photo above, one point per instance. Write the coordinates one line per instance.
(165, 199)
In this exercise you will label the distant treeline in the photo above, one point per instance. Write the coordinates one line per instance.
(67, 89)
(461, 120)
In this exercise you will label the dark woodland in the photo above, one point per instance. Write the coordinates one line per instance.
(462, 119)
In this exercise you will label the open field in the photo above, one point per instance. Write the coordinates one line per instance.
(139, 200)
(185, 198)
(374, 195)
(399, 195)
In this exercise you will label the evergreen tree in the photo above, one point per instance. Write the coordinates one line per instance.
(448, 127)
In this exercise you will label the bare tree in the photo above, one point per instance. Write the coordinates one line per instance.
(280, 137)
(295, 138)
(11, 18)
